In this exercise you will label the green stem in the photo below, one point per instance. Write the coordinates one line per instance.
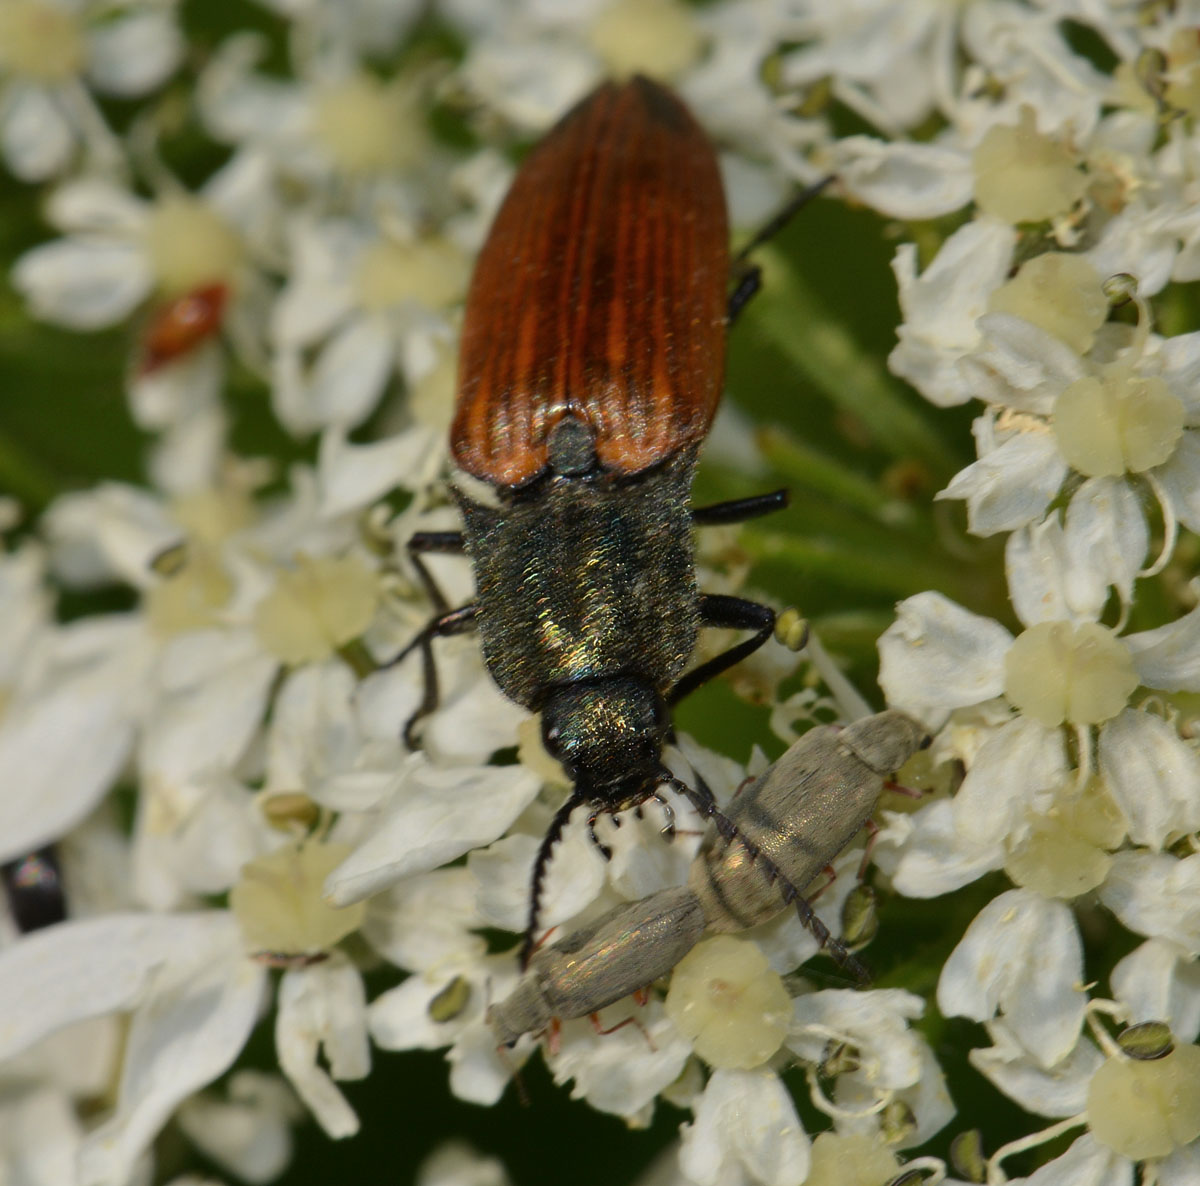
(24, 479)
(797, 323)
(808, 467)
(885, 569)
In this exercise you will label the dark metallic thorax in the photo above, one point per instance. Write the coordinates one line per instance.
(586, 576)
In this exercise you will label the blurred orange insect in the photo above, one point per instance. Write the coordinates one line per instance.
(179, 326)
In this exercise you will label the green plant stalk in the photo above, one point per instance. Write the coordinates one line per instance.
(880, 569)
(808, 467)
(796, 323)
(23, 479)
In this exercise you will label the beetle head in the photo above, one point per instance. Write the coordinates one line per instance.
(608, 734)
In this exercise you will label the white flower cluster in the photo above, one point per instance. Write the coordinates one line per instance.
(283, 839)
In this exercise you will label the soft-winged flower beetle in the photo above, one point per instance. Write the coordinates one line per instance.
(778, 833)
(591, 363)
(179, 326)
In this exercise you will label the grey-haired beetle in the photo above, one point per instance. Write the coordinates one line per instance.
(776, 835)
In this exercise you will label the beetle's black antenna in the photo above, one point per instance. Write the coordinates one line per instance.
(705, 803)
(551, 838)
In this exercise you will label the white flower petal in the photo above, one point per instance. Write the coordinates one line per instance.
(26, 607)
(236, 104)
(314, 731)
(399, 1018)
(1039, 572)
(95, 205)
(942, 305)
(1085, 1163)
(323, 1007)
(350, 373)
(436, 816)
(457, 1164)
(1169, 657)
(40, 1135)
(1138, 241)
(427, 920)
(239, 191)
(182, 390)
(91, 967)
(1010, 485)
(1158, 982)
(1009, 776)
(1107, 532)
(319, 293)
(63, 744)
(110, 532)
(352, 477)
(623, 1071)
(1156, 895)
(479, 1072)
(1153, 775)
(1182, 1168)
(643, 859)
(1057, 574)
(927, 1099)
(134, 52)
(925, 855)
(1022, 955)
(476, 718)
(194, 1023)
(248, 1133)
(1181, 369)
(575, 875)
(1021, 365)
(937, 656)
(1057, 1091)
(745, 1121)
(904, 179)
(36, 138)
(1180, 480)
(874, 1022)
(213, 694)
(191, 838)
(82, 283)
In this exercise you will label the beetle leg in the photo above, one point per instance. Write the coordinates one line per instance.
(601, 1031)
(605, 851)
(668, 829)
(747, 280)
(455, 621)
(731, 613)
(738, 510)
(422, 542)
(746, 276)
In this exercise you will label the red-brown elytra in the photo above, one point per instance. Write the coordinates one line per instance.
(179, 326)
(591, 363)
